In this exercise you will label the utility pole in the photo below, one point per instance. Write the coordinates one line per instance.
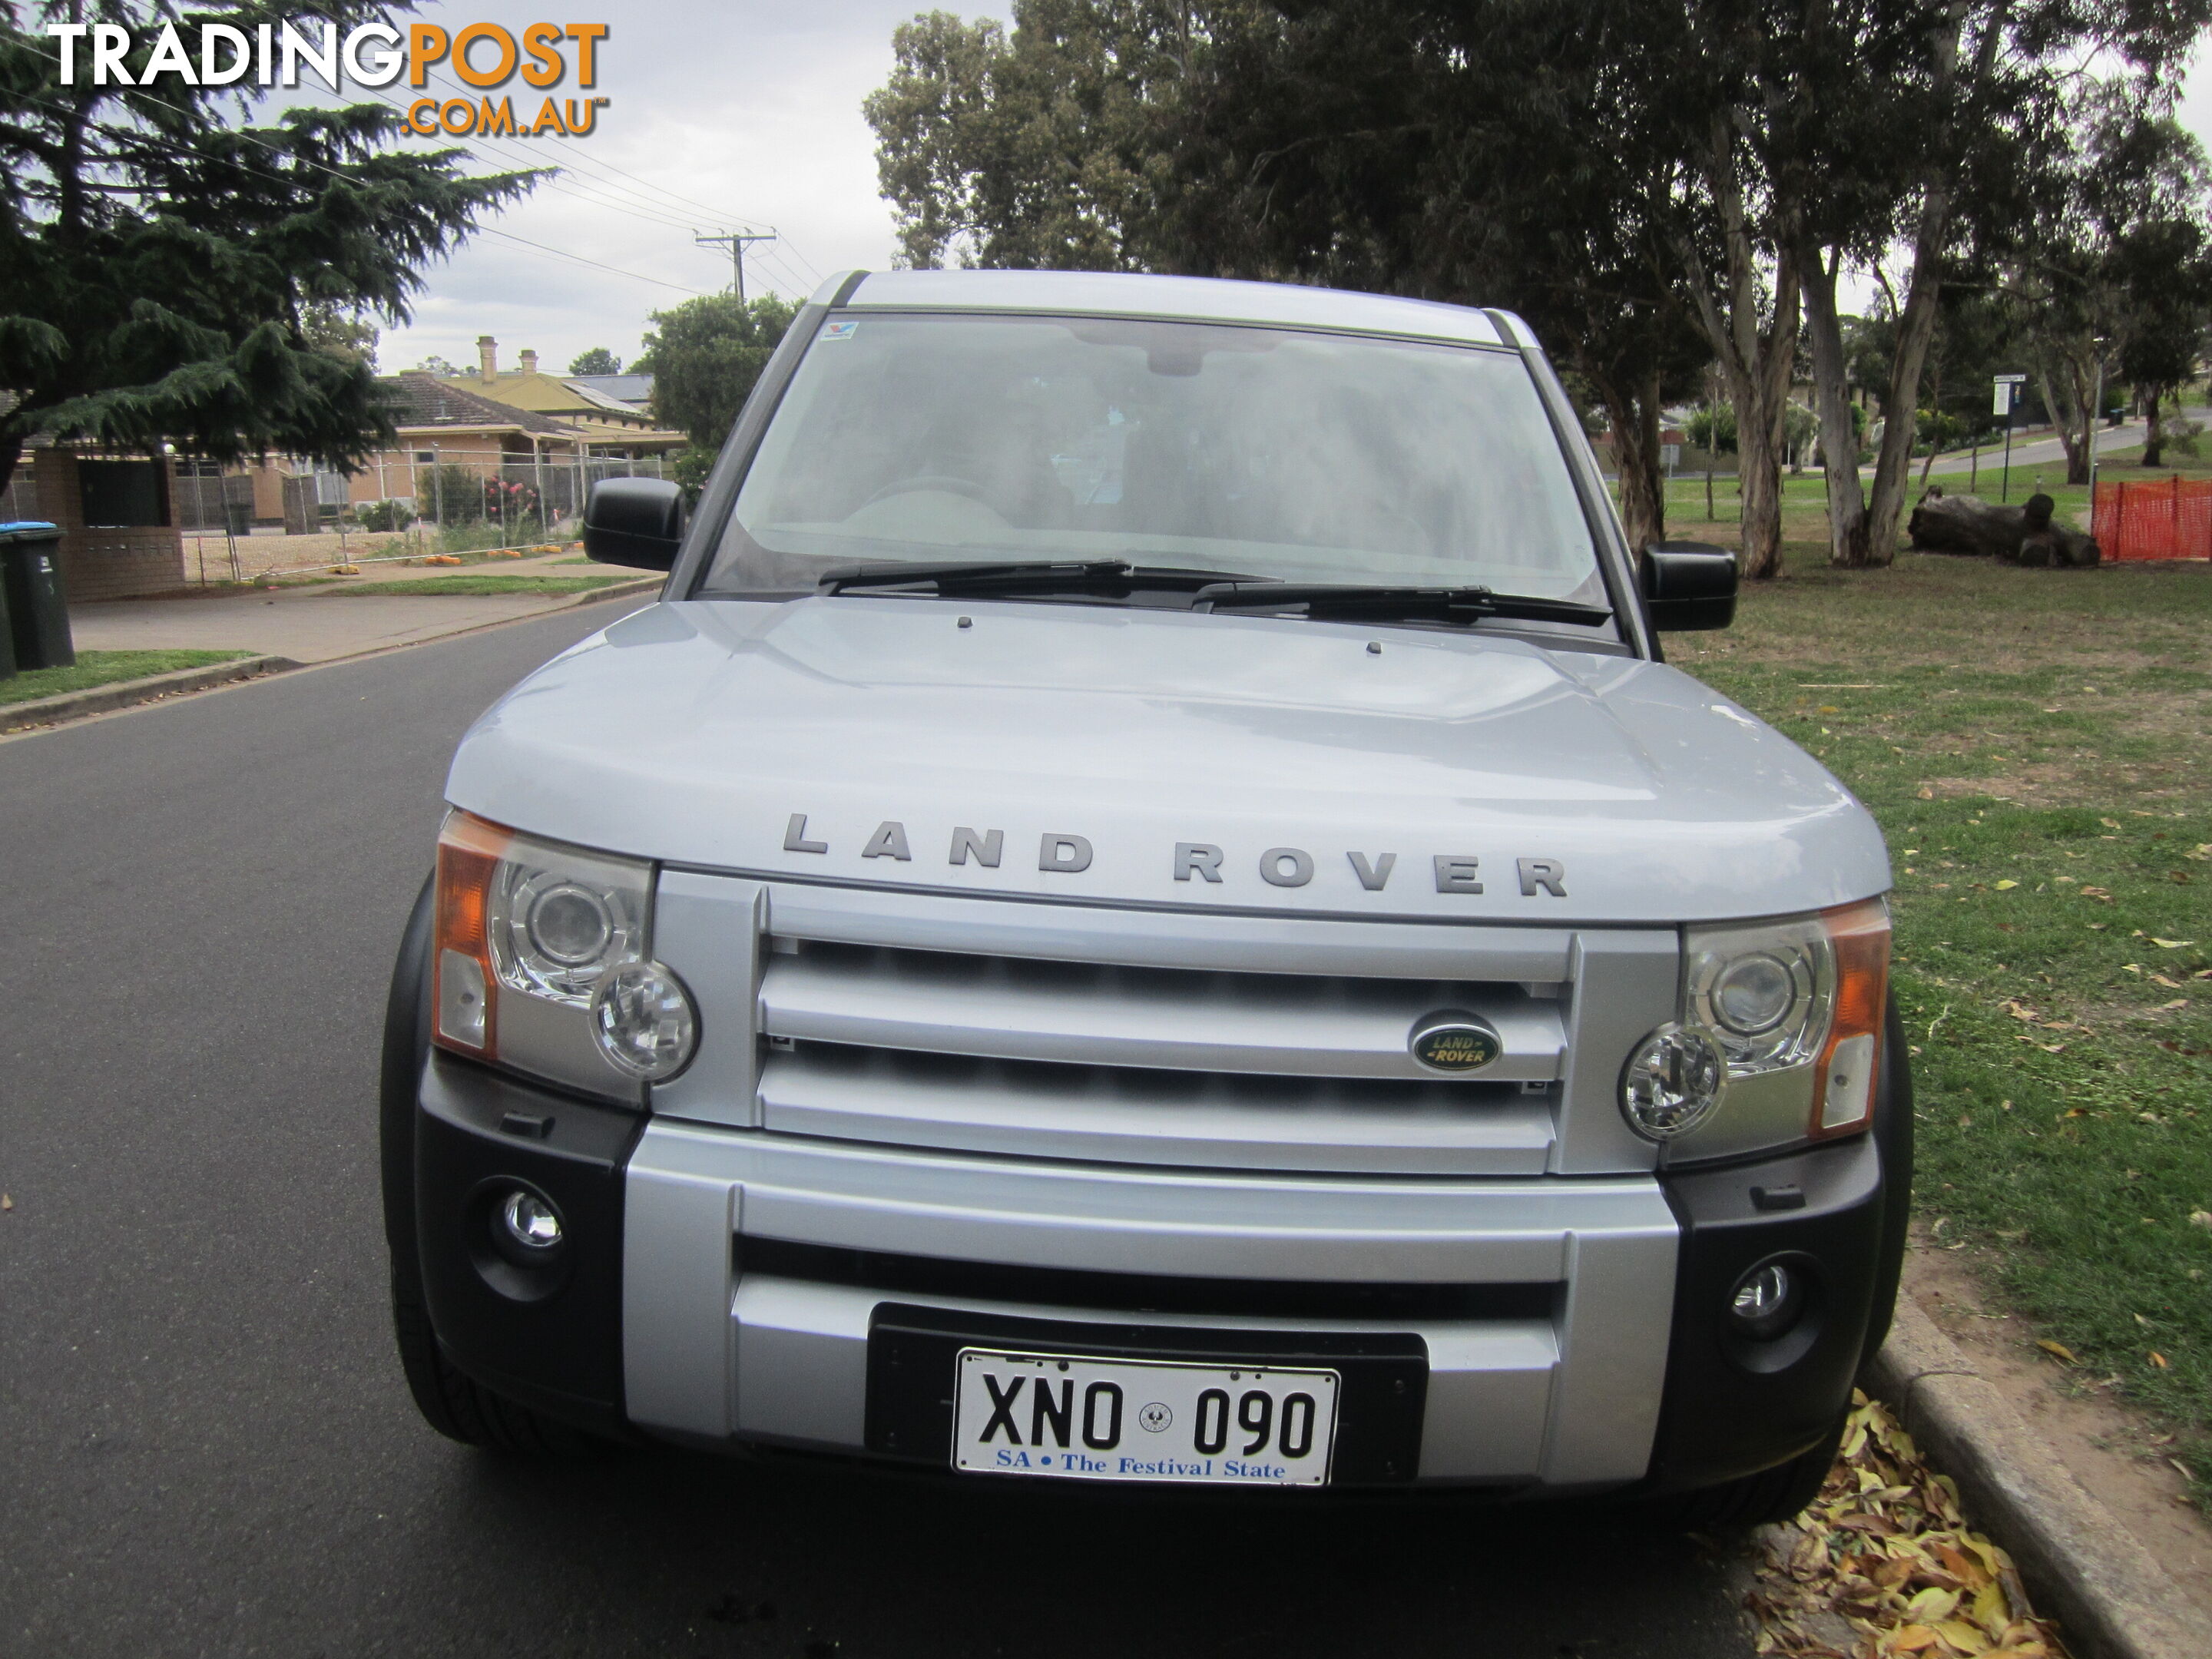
(736, 241)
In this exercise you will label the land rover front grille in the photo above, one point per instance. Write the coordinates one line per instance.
(1166, 1038)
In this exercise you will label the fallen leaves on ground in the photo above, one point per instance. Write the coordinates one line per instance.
(1883, 1563)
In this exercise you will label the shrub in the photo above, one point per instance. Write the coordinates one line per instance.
(383, 516)
(449, 494)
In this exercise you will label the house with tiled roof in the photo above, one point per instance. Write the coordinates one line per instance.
(555, 454)
(568, 399)
(633, 389)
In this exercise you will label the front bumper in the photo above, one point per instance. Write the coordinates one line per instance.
(720, 1287)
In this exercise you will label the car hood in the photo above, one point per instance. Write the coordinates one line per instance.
(848, 739)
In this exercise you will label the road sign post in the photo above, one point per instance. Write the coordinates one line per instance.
(2096, 414)
(2006, 398)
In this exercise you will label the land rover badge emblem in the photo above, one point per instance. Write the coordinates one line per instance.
(1454, 1042)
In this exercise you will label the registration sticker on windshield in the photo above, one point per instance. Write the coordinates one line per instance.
(843, 329)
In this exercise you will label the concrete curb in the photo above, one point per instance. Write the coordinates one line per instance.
(100, 699)
(620, 590)
(2111, 1598)
(556, 602)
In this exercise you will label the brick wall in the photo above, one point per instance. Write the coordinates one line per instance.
(102, 564)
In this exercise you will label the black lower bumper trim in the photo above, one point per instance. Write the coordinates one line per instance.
(1735, 1405)
(546, 1333)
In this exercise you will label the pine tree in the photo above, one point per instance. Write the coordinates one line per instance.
(168, 274)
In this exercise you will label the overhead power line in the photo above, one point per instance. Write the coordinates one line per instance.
(737, 242)
(586, 178)
(488, 230)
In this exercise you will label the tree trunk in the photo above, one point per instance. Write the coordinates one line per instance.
(1892, 469)
(1831, 403)
(2155, 426)
(1900, 404)
(2026, 534)
(1759, 462)
(1634, 416)
(1757, 359)
(2067, 397)
(11, 452)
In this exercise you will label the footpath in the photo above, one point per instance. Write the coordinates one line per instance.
(315, 623)
(300, 626)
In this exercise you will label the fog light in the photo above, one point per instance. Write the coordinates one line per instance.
(1672, 1081)
(1767, 1301)
(643, 1022)
(530, 1221)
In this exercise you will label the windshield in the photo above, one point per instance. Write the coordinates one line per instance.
(1261, 453)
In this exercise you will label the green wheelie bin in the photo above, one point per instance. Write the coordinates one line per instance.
(37, 609)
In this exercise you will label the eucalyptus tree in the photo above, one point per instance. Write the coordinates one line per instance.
(1420, 149)
(173, 270)
(1449, 152)
(2167, 282)
(1041, 146)
(2114, 284)
(1927, 133)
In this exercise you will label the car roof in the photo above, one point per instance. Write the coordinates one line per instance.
(1197, 299)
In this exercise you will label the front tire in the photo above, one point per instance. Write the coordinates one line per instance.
(1778, 1494)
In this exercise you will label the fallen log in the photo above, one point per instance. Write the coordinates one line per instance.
(2026, 534)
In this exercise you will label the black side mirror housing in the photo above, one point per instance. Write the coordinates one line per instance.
(1689, 585)
(634, 522)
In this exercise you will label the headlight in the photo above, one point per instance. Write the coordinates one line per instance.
(1763, 991)
(1674, 1080)
(643, 1021)
(532, 936)
(1794, 1009)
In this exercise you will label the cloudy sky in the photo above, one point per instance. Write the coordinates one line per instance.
(725, 113)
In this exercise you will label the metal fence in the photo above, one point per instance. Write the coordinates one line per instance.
(451, 487)
(201, 499)
(2158, 519)
(508, 486)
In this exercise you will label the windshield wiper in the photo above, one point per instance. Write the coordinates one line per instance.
(968, 574)
(974, 578)
(1350, 602)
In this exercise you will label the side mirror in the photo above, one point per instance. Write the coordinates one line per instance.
(1689, 585)
(634, 522)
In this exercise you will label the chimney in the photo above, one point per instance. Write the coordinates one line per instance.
(529, 362)
(487, 356)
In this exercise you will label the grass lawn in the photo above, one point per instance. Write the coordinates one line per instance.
(2034, 744)
(449, 586)
(1805, 502)
(105, 668)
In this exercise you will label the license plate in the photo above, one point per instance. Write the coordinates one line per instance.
(1141, 1420)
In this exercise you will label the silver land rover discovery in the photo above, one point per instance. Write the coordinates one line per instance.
(1143, 909)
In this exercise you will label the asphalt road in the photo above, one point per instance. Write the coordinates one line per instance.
(205, 1446)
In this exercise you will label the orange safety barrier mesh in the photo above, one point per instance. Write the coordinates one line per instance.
(2156, 519)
